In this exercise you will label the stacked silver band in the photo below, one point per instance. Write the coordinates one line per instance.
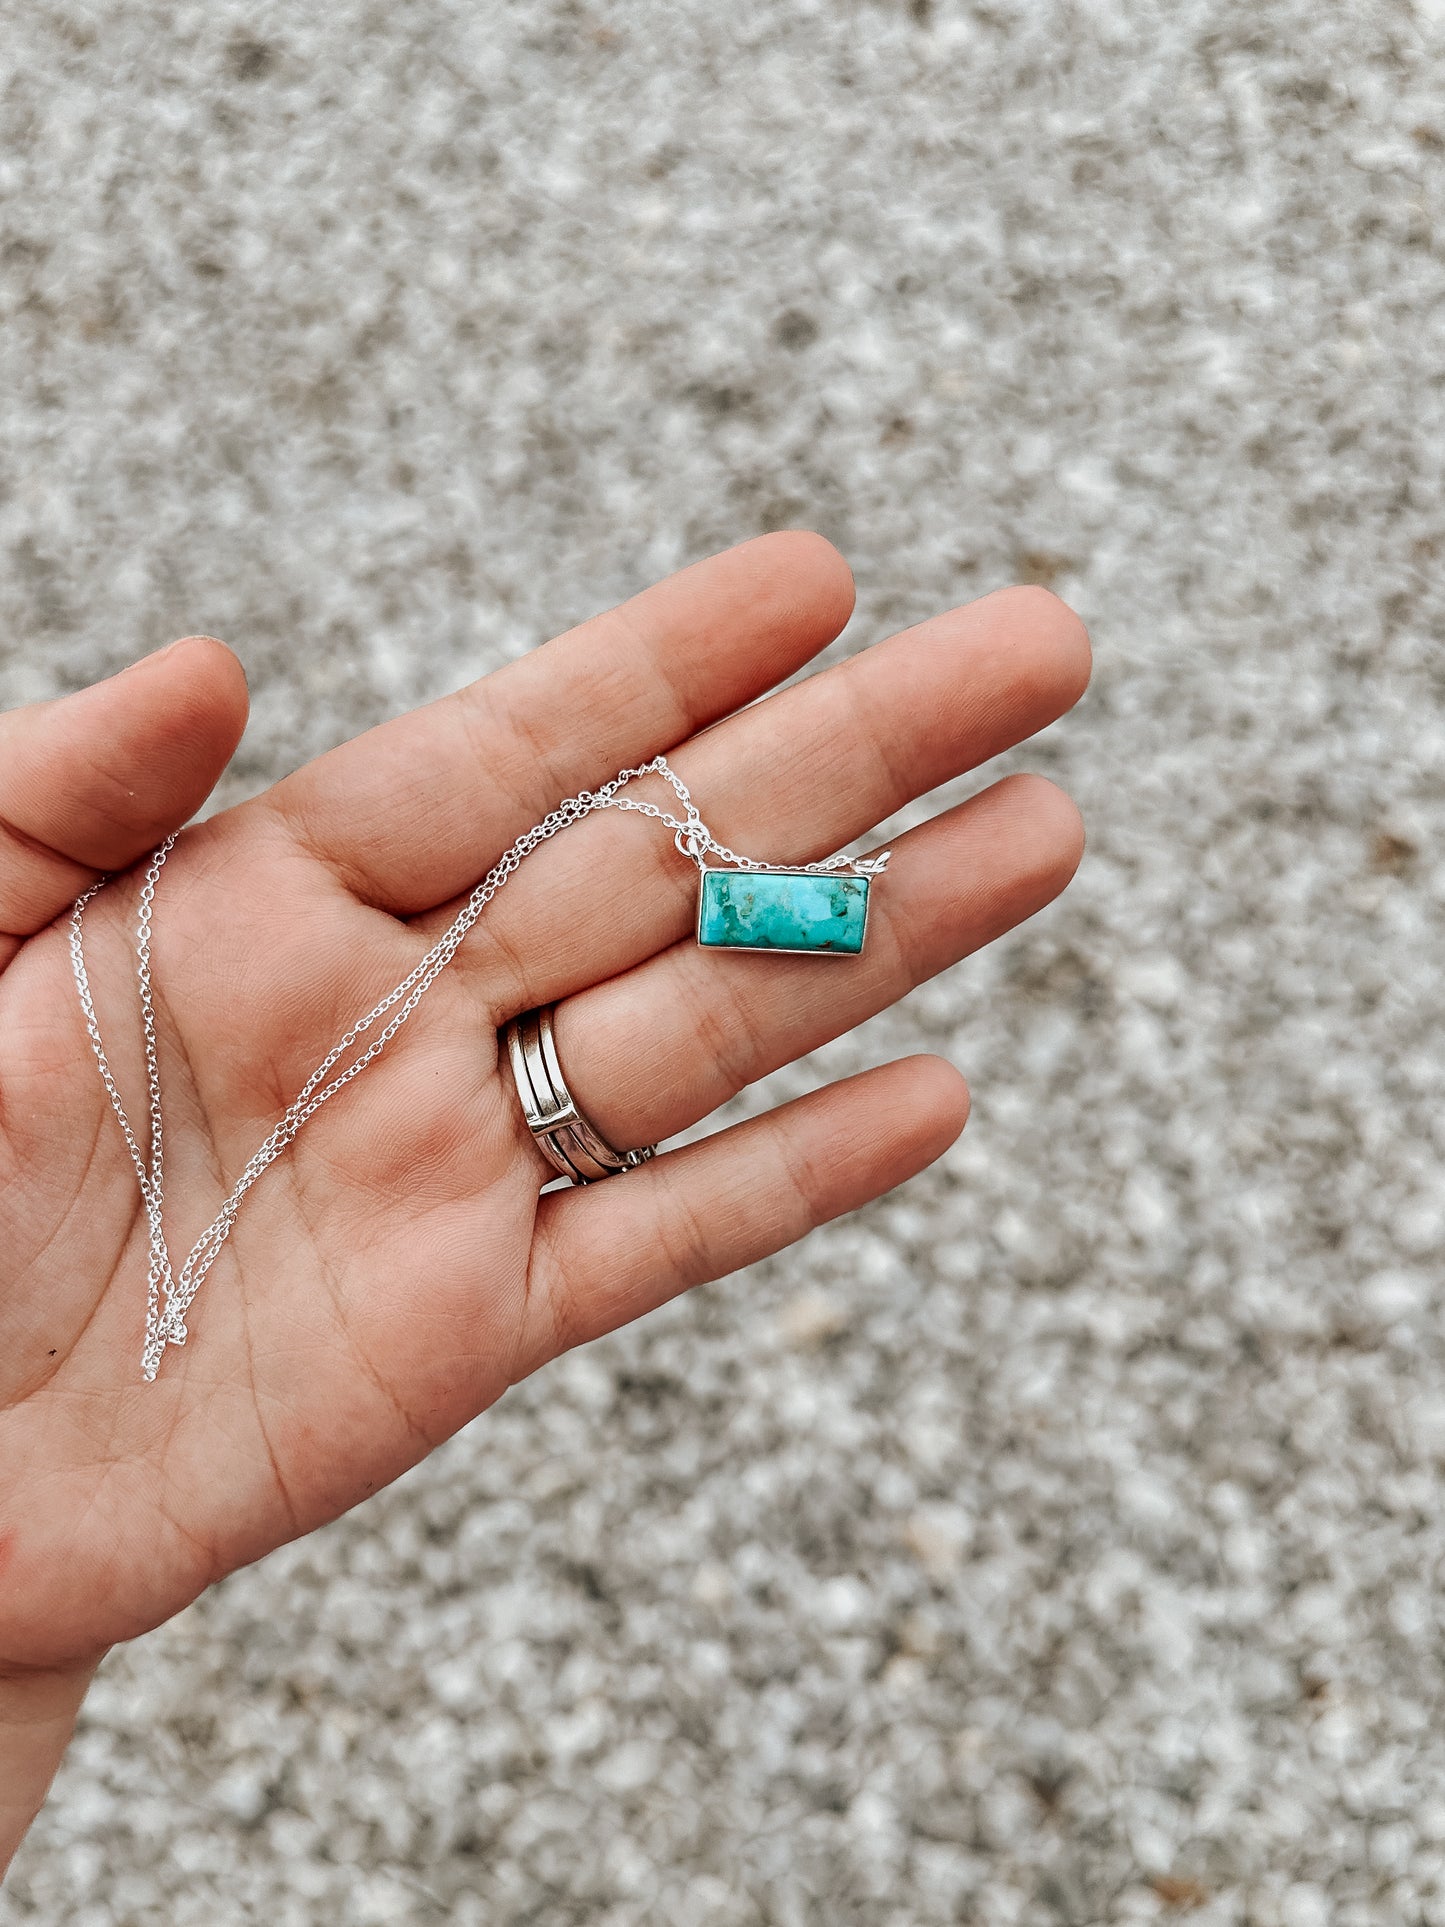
(567, 1141)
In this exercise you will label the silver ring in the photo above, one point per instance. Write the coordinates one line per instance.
(568, 1142)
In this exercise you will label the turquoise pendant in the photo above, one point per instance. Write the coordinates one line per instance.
(813, 913)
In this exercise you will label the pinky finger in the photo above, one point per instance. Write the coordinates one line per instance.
(607, 1254)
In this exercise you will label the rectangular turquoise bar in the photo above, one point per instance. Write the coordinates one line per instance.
(781, 910)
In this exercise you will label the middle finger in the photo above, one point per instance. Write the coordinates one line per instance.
(787, 780)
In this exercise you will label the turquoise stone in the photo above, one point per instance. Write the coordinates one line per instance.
(778, 910)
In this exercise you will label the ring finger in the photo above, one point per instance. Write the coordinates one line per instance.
(652, 1051)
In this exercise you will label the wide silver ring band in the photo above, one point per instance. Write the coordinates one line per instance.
(568, 1142)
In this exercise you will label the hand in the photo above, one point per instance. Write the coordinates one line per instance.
(398, 1268)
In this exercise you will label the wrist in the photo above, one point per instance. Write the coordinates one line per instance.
(37, 1717)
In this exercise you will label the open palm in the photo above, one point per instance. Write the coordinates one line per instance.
(400, 1266)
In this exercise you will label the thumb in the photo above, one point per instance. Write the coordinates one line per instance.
(92, 781)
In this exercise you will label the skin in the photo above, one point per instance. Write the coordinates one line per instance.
(399, 1268)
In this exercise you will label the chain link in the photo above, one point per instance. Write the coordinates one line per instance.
(169, 1294)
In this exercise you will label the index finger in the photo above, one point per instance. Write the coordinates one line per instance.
(414, 811)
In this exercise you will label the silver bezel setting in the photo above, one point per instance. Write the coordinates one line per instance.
(777, 949)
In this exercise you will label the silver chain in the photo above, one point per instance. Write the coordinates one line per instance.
(168, 1293)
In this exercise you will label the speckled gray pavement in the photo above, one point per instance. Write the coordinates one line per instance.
(1060, 1540)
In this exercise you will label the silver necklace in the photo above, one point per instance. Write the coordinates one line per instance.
(169, 1293)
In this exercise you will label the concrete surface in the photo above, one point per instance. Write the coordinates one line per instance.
(1061, 1540)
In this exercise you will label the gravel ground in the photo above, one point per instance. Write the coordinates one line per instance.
(1057, 1541)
